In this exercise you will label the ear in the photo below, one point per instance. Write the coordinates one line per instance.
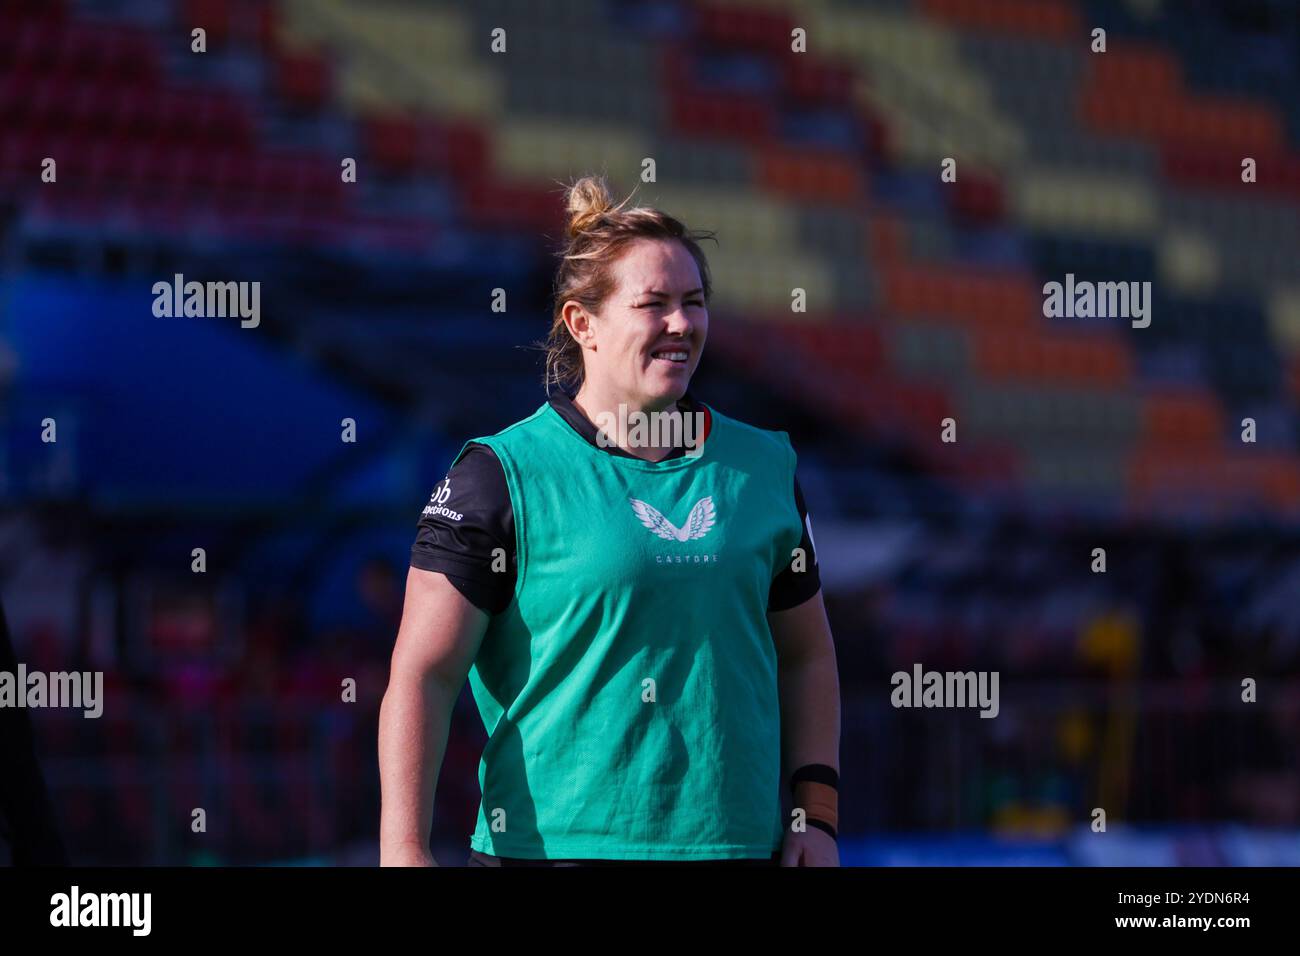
(580, 324)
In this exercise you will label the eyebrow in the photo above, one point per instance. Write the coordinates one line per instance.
(665, 294)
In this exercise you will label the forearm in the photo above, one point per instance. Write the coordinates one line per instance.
(809, 690)
(414, 721)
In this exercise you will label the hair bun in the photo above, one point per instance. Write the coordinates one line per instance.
(588, 199)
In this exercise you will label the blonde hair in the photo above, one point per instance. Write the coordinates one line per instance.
(599, 232)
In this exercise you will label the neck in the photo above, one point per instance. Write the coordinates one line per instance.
(603, 408)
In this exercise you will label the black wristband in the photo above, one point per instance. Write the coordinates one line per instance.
(823, 825)
(815, 773)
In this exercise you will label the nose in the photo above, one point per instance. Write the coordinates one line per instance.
(678, 322)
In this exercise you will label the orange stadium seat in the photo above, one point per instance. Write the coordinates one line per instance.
(803, 174)
(1053, 19)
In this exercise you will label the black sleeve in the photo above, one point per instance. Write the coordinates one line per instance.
(792, 587)
(467, 531)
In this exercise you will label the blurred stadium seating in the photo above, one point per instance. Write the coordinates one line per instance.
(818, 171)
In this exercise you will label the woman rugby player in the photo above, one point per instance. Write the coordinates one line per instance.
(640, 618)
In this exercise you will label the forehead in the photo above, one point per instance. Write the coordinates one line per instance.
(652, 264)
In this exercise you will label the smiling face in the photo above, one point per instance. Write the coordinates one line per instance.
(645, 344)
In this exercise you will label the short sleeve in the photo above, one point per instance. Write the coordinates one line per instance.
(800, 580)
(466, 530)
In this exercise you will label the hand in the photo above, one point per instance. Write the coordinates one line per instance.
(813, 847)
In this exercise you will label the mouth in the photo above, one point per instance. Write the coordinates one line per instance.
(672, 355)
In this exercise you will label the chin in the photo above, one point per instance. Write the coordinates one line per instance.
(667, 393)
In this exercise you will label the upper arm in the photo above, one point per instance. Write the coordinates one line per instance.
(441, 630)
(467, 531)
(802, 631)
(800, 579)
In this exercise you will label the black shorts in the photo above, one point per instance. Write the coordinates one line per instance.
(486, 859)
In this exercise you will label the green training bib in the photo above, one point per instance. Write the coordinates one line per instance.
(629, 691)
